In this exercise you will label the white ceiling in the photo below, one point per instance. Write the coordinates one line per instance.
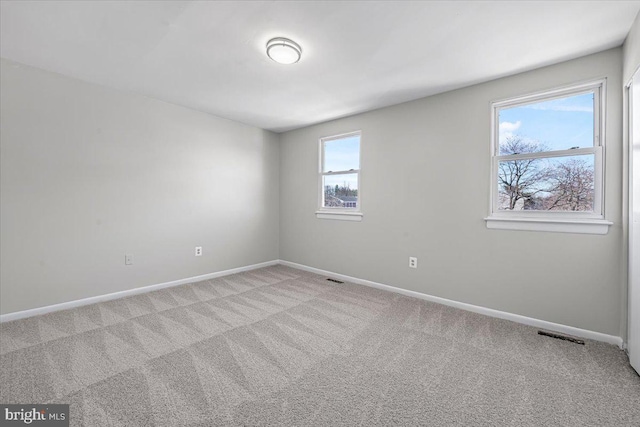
(357, 56)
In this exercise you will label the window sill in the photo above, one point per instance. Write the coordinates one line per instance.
(340, 216)
(589, 226)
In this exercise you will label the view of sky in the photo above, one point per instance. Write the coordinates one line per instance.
(351, 180)
(559, 124)
(545, 188)
(588, 160)
(342, 155)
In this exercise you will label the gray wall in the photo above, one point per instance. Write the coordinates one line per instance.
(89, 174)
(414, 205)
(631, 50)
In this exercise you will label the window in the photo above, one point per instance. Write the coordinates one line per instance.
(547, 161)
(339, 177)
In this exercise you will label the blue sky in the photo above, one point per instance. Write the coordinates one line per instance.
(350, 180)
(559, 124)
(342, 155)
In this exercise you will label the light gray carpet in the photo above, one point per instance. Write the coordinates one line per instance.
(279, 346)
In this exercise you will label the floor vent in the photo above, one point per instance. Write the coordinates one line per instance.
(561, 337)
(335, 281)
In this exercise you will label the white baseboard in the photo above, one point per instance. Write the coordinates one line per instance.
(530, 321)
(130, 292)
(543, 324)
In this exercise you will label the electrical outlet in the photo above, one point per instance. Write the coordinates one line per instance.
(128, 259)
(413, 262)
(198, 250)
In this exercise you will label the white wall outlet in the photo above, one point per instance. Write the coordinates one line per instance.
(413, 262)
(198, 250)
(128, 259)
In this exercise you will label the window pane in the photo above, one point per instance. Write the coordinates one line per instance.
(555, 184)
(559, 124)
(340, 191)
(342, 154)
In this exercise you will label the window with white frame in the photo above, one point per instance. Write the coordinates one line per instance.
(339, 177)
(548, 161)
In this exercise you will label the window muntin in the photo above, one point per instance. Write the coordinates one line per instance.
(340, 172)
(548, 158)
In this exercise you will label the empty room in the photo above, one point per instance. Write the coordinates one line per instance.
(319, 213)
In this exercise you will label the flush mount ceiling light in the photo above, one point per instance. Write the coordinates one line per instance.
(284, 51)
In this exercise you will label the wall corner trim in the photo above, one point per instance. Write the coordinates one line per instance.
(128, 293)
(530, 321)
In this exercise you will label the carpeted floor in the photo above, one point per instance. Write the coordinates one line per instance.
(278, 346)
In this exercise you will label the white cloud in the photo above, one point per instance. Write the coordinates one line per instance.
(509, 126)
(551, 107)
(507, 129)
(580, 104)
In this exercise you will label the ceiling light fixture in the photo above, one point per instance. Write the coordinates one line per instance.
(284, 51)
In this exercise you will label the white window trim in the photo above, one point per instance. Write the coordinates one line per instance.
(562, 222)
(341, 214)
